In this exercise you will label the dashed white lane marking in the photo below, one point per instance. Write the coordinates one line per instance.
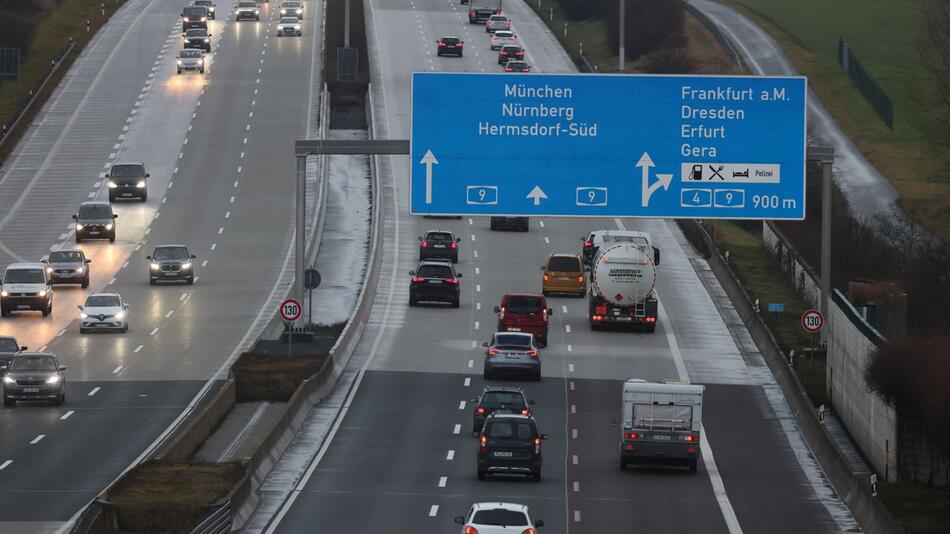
(61, 332)
(220, 230)
(239, 169)
(164, 200)
(118, 369)
(477, 271)
(573, 433)
(570, 348)
(457, 429)
(475, 253)
(577, 516)
(547, 241)
(183, 296)
(563, 309)
(245, 140)
(450, 455)
(242, 155)
(63, 236)
(37, 439)
(67, 415)
(236, 183)
(574, 459)
(570, 367)
(169, 314)
(567, 328)
(474, 343)
(461, 405)
(471, 222)
(153, 332)
(471, 363)
(476, 325)
(468, 381)
(5, 464)
(572, 385)
(93, 391)
(478, 306)
(541, 223)
(473, 237)
(478, 288)
(204, 263)
(140, 347)
(577, 486)
(92, 195)
(227, 215)
(232, 200)
(434, 510)
(442, 481)
(573, 408)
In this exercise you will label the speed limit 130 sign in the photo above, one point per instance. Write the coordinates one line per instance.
(290, 310)
(813, 321)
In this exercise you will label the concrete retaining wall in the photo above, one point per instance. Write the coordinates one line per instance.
(806, 280)
(870, 422)
(200, 427)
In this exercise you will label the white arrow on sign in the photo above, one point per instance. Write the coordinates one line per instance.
(647, 190)
(428, 160)
(537, 194)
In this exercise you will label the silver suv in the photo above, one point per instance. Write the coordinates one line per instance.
(26, 286)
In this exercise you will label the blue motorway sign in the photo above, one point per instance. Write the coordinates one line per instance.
(697, 147)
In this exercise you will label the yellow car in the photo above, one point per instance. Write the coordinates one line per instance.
(564, 273)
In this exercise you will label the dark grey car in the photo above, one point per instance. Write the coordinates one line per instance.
(197, 38)
(8, 348)
(68, 266)
(95, 220)
(512, 353)
(34, 376)
(171, 263)
(127, 181)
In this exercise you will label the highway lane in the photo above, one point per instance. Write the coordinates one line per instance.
(422, 364)
(219, 192)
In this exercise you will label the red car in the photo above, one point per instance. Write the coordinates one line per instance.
(522, 312)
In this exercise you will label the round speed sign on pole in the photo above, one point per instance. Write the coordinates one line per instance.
(290, 310)
(813, 321)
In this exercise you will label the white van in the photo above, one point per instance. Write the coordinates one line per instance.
(26, 287)
(661, 423)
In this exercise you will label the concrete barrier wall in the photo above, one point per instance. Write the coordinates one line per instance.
(871, 423)
(806, 280)
(200, 427)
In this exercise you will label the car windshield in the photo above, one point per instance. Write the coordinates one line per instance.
(290, 5)
(515, 430)
(33, 363)
(449, 40)
(65, 256)
(566, 264)
(517, 65)
(523, 305)
(102, 301)
(513, 340)
(503, 34)
(247, 4)
(127, 170)
(289, 20)
(434, 271)
(8, 344)
(439, 236)
(195, 11)
(190, 53)
(24, 276)
(511, 49)
(95, 211)
(170, 253)
(205, 3)
(502, 398)
(500, 517)
(497, 18)
(196, 32)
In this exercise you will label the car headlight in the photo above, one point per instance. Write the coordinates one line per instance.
(112, 185)
(4, 294)
(78, 226)
(120, 315)
(42, 293)
(283, 11)
(83, 316)
(300, 12)
(204, 19)
(207, 40)
(257, 11)
(53, 379)
(201, 62)
(185, 19)
(49, 270)
(186, 265)
(154, 266)
(297, 27)
(109, 226)
(141, 184)
(8, 380)
(179, 62)
(211, 9)
(80, 270)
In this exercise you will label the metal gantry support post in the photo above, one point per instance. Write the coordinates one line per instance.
(826, 157)
(623, 11)
(300, 252)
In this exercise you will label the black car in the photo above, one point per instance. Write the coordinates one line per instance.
(67, 266)
(34, 376)
(439, 245)
(194, 17)
(498, 399)
(198, 38)
(434, 281)
(171, 263)
(510, 444)
(449, 46)
(95, 220)
(517, 66)
(206, 4)
(128, 180)
(8, 348)
(510, 223)
(510, 52)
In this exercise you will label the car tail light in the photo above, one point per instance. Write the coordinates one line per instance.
(525, 412)
(601, 310)
(544, 314)
(691, 450)
(425, 244)
(492, 352)
(480, 410)
(533, 353)
(537, 445)
(631, 435)
(580, 279)
(546, 277)
(483, 444)
(455, 245)
(507, 69)
(458, 45)
(451, 280)
(597, 317)
(650, 319)
(588, 244)
(501, 314)
(441, 44)
(690, 438)
(471, 530)
(418, 279)
(529, 530)
(507, 23)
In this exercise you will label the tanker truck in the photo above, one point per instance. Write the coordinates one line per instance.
(622, 282)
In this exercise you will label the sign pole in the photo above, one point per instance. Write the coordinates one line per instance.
(623, 9)
(300, 251)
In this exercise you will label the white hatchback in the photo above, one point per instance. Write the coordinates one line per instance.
(502, 38)
(103, 311)
(498, 518)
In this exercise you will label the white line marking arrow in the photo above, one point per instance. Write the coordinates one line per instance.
(647, 190)
(428, 160)
(537, 194)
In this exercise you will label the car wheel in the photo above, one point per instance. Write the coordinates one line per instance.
(9, 403)
(144, 197)
(202, 71)
(112, 238)
(623, 464)
(191, 280)
(58, 400)
(537, 376)
(78, 239)
(47, 311)
(179, 71)
(125, 328)
(692, 465)
(82, 330)
(4, 312)
(536, 476)
(151, 281)
(455, 303)
(492, 227)
(412, 301)
(481, 474)
(111, 196)
(85, 282)
(545, 293)
(486, 374)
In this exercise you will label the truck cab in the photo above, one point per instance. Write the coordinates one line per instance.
(661, 423)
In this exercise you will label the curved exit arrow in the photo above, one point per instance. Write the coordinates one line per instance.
(647, 189)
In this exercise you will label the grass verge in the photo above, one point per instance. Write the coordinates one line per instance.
(170, 497)
(884, 37)
(272, 378)
(919, 509)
